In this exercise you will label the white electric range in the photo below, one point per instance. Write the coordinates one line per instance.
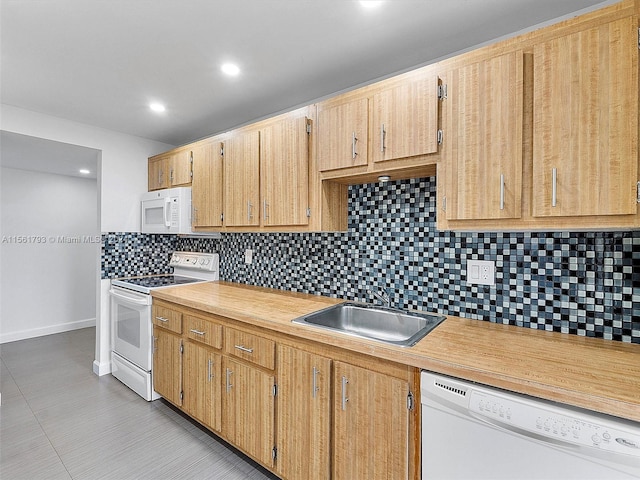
(131, 324)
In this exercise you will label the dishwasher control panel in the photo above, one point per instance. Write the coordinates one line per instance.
(539, 420)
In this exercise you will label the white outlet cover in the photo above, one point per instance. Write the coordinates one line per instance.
(481, 272)
(248, 256)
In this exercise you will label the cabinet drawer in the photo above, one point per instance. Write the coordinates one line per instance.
(166, 318)
(203, 331)
(250, 347)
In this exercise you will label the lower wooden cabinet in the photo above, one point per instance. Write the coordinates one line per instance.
(304, 415)
(249, 410)
(300, 411)
(201, 384)
(167, 365)
(371, 424)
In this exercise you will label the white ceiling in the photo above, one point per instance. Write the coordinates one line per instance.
(37, 154)
(102, 62)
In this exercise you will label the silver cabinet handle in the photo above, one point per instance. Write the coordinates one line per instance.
(229, 386)
(244, 349)
(354, 139)
(554, 189)
(171, 175)
(502, 192)
(210, 369)
(197, 332)
(162, 319)
(265, 205)
(155, 343)
(249, 210)
(314, 388)
(383, 133)
(194, 220)
(345, 381)
(160, 175)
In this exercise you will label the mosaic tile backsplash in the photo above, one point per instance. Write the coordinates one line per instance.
(584, 283)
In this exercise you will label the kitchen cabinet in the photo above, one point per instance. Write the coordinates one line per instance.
(171, 169)
(483, 130)
(249, 410)
(404, 119)
(167, 318)
(242, 178)
(585, 122)
(304, 415)
(167, 365)
(284, 170)
(158, 173)
(207, 190)
(371, 424)
(343, 133)
(202, 369)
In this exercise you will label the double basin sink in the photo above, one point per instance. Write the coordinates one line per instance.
(396, 327)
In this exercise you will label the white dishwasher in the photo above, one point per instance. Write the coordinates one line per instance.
(474, 432)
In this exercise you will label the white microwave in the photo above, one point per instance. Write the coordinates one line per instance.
(167, 211)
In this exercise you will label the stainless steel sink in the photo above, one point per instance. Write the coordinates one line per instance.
(388, 325)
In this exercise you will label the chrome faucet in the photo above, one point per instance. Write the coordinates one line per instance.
(382, 295)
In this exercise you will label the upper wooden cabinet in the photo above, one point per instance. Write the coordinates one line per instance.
(575, 163)
(483, 156)
(389, 128)
(343, 134)
(404, 120)
(171, 169)
(284, 170)
(585, 130)
(207, 187)
(242, 178)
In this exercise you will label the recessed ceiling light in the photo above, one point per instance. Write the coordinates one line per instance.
(84, 171)
(230, 69)
(157, 107)
(370, 4)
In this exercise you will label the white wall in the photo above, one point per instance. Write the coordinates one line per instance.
(122, 177)
(44, 271)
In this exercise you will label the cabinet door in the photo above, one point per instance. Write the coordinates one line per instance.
(202, 384)
(343, 135)
(180, 168)
(207, 186)
(585, 130)
(248, 410)
(371, 430)
(483, 132)
(404, 120)
(241, 179)
(304, 414)
(158, 173)
(284, 171)
(167, 365)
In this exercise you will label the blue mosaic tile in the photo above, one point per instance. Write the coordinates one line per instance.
(581, 283)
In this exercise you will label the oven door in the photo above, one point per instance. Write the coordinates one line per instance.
(131, 326)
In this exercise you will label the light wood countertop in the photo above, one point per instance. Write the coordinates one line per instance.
(596, 374)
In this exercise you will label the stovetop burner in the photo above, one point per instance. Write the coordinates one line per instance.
(156, 281)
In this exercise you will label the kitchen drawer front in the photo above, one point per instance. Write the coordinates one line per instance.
(167, 318)
(250, 347)
(203, 331)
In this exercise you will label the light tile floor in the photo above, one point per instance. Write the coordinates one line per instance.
(60, 421)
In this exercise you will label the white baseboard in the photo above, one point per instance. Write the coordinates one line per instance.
(100, 369)
(48, 330)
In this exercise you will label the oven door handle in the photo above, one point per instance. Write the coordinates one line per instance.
(136, 300)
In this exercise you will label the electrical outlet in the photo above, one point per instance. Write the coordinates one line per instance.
(481, 272)
(248, 256)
